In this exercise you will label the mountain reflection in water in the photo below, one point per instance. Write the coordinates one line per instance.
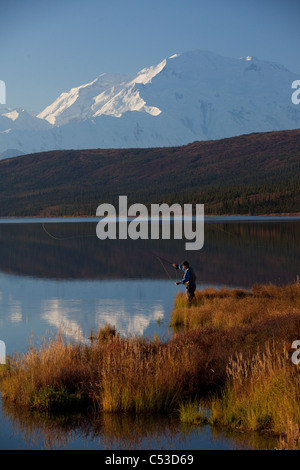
(234, 253)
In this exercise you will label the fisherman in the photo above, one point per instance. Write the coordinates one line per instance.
(189, 279)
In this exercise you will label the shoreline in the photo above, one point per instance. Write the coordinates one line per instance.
(207, 218)
(229, 364)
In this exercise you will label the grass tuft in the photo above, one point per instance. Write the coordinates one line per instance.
(234, 345)
(192, 412)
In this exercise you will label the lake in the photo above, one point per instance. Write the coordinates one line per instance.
(61, 275)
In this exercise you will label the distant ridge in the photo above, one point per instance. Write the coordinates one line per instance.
(10, 153)
(250, 174)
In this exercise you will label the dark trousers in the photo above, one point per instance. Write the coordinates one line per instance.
(190, 293)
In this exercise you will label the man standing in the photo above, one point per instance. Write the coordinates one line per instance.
(189, 279)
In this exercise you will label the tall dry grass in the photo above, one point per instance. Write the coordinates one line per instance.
(112, 374)
(235, 344)
(262, 392)
(226, 308)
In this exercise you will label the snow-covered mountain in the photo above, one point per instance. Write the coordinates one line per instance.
(109, 94)
(22, 132)
(192, 96)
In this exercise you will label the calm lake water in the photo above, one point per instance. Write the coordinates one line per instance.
(80, 282)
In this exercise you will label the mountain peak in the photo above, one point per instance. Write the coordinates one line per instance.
(109, 94)
(195, 95)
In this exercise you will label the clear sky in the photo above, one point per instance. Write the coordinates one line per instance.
(47, 47)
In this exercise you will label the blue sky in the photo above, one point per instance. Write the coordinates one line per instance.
(47, 47)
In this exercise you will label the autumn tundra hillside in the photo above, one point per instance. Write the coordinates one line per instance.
(251, 174)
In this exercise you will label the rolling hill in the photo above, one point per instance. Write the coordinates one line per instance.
(250, 174)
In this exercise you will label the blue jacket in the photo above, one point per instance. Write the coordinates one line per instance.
(189, 276)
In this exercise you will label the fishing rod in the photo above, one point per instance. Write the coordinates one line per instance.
(160, 258)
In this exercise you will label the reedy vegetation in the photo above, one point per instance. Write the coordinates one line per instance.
(233, 351)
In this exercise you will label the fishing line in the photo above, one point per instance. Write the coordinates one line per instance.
(166, 271)
(160, 259)
(232, 234)
(65, 238)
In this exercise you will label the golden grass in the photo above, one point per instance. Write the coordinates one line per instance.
(234, 344)
(291, 439)
(112, 373)
(226, 308)
(262, 392)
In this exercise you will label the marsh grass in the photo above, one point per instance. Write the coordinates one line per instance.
(226, 308)
(262, 392)
(291, 438)
(111, 374)
(192, 412)
(235, 347)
